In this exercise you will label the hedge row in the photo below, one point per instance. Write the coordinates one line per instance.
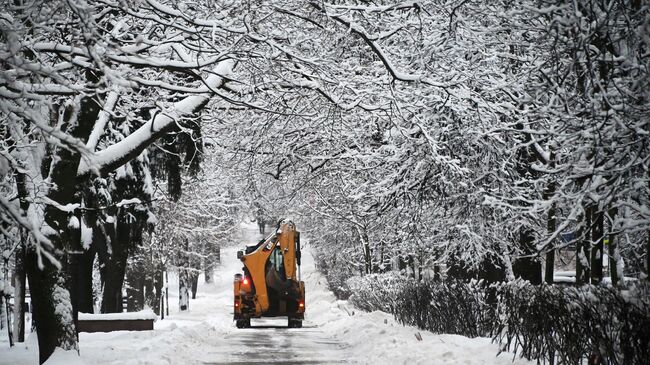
(567, 324)
(559, 325)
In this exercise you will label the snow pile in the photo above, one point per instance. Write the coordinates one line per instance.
(62, 357)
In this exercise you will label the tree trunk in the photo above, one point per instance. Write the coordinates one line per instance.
(21, 274)
(135, 296)
(583, 249)
(49, 283)
(51, 306)
(491, 270)
(184, 278)
(128, 234)
(6, 317)
(612, 250)
(112, 260)
(195, 282)
(81, 275)
(19, 289)
(549, 267)
(166, 292)
(156, 293)
(367, 255)
(211, 259)
(184, 285)
(208, 271)
(113, 279)
(597, 250)
(647, 258)
(527, 267)
(3, 315)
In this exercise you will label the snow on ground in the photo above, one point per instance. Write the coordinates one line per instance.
(333, 332)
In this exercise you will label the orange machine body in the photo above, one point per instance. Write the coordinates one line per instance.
(270, 285)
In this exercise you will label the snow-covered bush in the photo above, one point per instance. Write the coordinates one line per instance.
(541, 322)
(442, 307)
(336, 272)
(376, 291)
(570, 324)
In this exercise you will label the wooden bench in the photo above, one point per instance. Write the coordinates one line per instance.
(109, 322)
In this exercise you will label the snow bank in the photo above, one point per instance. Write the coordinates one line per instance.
(143, 314)
(63, 357)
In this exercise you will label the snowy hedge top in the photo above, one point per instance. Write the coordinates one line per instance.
(145, 314)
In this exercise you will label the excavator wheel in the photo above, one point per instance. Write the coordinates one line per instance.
(295, 323)
(243, 323)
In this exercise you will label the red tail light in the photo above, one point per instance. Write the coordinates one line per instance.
(245, 281)
(301, 304)
(236, 304)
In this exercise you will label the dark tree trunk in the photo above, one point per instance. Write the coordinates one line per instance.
(527, 267)
(50, 285)
(52, 330)
(549, 267)
(20, 273)
(184, 278)
(208, 271)
(84, 271)
(583, 249)
(81, 275)
(173, 167)
(154, 288)
(491, 270)
(647, 258)
(115, 266)
(135, 295)
(436, 273)
(612, 249)
(212, 258)
(457, 269)
(184, 285)
(19, 290)
(597, 250)
(367, 254)
(194, 275)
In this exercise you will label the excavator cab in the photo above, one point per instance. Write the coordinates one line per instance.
(270, 285)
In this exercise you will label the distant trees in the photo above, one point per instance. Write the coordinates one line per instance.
(196, 225)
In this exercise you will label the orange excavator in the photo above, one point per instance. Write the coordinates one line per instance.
(270, 285)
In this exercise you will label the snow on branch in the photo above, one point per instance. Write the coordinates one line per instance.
(43, 244)
(175, 14)
(378, 9)
(378, 50)
(118, 154)
(130, 58)
(102, 119)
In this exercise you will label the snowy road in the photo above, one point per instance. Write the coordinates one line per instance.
(269, 342)
(333, 332)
